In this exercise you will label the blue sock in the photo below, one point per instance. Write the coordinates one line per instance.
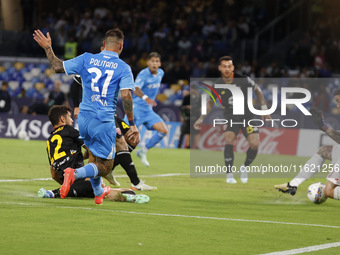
(156, 138)
(96, 185)
(90, 170)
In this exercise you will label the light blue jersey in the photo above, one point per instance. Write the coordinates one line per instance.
(149, 84)
(103, 75)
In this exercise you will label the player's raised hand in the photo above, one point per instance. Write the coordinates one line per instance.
(198, 123)
(41, 39)
(134, 134)
(150, 101)
(318, 118)
(266, 117)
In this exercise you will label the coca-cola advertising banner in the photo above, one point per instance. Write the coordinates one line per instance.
(273, 140)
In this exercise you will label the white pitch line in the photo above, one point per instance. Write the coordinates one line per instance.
(175, 215)
(306, 249)
(27, 180)
(119, 176)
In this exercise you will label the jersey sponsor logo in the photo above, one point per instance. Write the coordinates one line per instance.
(96, 98)
(154, 86)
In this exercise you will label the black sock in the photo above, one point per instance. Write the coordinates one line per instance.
(229, 157)
(115, 162)
(131, 148)
(56, 193)
(124, 159)
(251, 155)
(129, 192)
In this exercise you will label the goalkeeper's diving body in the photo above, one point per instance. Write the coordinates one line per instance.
(329, 152)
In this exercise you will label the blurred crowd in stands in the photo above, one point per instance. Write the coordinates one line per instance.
(190, 36)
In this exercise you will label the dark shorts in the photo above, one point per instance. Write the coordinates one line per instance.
(241, 124)
(81, 188)
(121, 127)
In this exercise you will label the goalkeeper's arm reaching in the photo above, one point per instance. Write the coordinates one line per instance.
(319, 120)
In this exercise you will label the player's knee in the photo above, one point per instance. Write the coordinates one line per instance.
(254, 145)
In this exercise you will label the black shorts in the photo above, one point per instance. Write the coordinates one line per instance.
(241, 124)
(121, 127)
(185, 129)
(81, 188)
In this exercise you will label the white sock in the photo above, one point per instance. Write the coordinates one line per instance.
(308, 170)
(144, 149)
(230, 175)
(336, 194)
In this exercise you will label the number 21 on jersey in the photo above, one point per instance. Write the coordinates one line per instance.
(99, 74)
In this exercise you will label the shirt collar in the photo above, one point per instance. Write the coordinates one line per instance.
(152, 73)
(108, 52)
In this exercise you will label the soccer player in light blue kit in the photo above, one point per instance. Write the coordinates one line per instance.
(147, 85)
(103, 75)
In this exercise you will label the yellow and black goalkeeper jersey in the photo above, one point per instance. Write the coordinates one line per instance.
(64, 148)
(243, 82)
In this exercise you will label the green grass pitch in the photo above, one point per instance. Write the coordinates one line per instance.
(184, 216)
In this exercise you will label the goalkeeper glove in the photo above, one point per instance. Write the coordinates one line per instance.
(318, 119)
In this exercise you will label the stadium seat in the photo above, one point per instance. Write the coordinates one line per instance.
(49, 72)
(39, 86)
(13, 85)
(19, 65)
(168, 92)
(161, 97)
(35, 71)
(175, 87)
(28, 76)
(27, 85)
(65, 88)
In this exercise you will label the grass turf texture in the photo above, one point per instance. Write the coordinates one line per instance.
(31, 225)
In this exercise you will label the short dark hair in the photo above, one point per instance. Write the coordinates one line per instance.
(154, 55)
(336, 92)
(114, 36)
(5, 83)
(224, 58)
(56, 111)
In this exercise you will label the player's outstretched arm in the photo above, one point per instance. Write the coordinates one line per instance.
(262, 101)
(138, 92)
(46, 44)
(319, 120)
(197, 124)
(335, 135)
(128, 108)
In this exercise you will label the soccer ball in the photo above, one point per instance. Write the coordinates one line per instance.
(316, 193)
(23, 135)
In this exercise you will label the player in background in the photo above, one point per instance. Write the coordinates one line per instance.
(64, 150)
(229, 78)
(314, 164)
(103, 75)
(147, 85)
(124, 145)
